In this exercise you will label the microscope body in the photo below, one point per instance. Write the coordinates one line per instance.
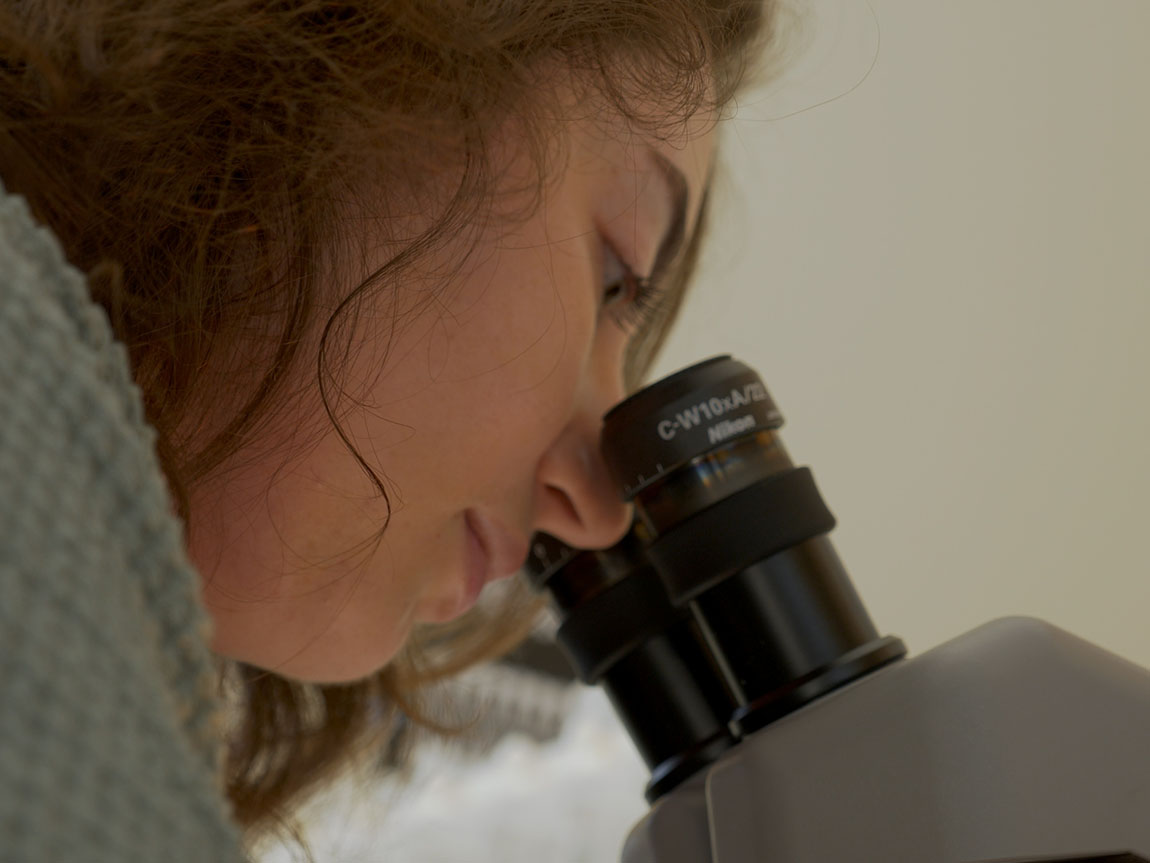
(1014, 742)
(779, 725)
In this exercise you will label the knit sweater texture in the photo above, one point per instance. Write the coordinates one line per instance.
(110, 726)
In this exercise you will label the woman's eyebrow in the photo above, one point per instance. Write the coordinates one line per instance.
(675, 237)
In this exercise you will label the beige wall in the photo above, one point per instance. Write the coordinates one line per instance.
(944, 277)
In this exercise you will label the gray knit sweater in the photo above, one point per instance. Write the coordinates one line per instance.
(110, 731)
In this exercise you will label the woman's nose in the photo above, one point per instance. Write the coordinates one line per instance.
(577, 501)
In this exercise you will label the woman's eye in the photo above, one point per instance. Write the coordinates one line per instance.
(633, 301)
(617, 277)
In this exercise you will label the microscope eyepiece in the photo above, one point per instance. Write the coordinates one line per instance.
(663, 429)
(727, 576)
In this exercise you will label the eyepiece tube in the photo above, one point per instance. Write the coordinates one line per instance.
(620, 631)
(738, 535)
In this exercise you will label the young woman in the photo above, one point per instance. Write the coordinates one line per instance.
(309, 312)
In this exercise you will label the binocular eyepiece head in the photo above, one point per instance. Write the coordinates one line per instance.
(725, 606)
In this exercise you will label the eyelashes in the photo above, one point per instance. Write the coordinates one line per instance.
(632, 300)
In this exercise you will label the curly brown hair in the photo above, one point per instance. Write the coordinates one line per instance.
(196, 160)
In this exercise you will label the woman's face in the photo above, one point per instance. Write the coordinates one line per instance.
(478, 401)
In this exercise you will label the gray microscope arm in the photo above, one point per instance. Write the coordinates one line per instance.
(1016, 741)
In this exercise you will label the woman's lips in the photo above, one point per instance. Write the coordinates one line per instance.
(477, 567)
(492, 553)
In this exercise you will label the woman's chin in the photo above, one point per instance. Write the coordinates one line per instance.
(446, 609)
(328, 661)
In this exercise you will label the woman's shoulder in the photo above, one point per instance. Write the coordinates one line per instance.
(108, 712)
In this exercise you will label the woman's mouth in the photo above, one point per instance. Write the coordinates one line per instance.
(477, 567)
(492, 553)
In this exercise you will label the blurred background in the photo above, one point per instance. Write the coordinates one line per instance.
(932, 238)
(943, 276)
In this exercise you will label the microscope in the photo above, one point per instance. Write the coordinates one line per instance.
(778, 725)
